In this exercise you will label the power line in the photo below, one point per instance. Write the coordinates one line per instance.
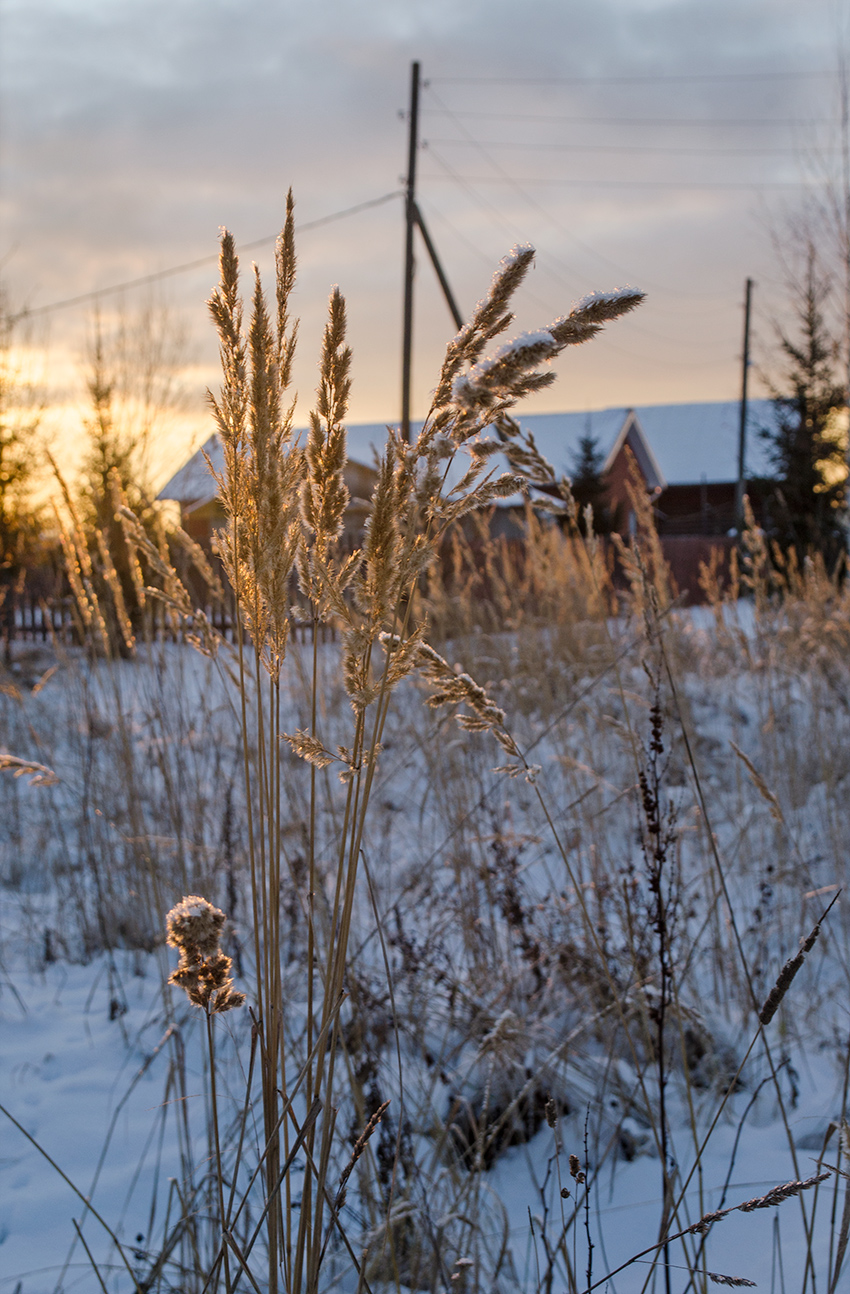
(492, 161)
(481, 255)
(642, 330)
(618, 148)
(495, 212)
(475, 248)
(157, 275)
(527, 197)
(497, 217)
(629, 121)
(625, 184)
(613, 345)
(627, 80)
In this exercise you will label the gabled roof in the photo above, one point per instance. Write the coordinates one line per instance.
(195, 485)
(688, 443)
(194, 482)
(633, 435)
(680, 443)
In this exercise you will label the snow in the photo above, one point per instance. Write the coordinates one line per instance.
(193, 481)
(604, 298)
(528, 348)
(79, 1066)
(524, 341)
(691, 442)
(71, 1076)
(517, 252)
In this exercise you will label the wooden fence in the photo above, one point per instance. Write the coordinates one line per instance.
(36, 614)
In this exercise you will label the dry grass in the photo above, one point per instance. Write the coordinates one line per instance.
(551, 901)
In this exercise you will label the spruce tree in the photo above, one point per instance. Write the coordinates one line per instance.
(807, 446)
(20, 516)
(589, 485)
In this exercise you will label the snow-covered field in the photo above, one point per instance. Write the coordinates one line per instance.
(496, 990)
(73, 1078)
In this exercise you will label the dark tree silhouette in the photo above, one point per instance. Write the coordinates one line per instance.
(20, 519)
(808, 444)
(589, 485)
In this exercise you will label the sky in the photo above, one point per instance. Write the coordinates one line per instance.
(661, 143)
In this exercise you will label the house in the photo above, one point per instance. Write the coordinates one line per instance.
(687, 455)
(201, 513)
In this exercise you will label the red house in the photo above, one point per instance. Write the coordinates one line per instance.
(687, 455)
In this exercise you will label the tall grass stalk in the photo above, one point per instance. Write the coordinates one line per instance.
(285, 505)
(560, 953)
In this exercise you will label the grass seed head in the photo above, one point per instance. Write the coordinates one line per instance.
(203, 972)
(575, 1170)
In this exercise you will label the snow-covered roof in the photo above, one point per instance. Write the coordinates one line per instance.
(687, 442)
(194, 482)
(631, 434)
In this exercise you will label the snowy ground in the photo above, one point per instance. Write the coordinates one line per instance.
(79, 1065)
(72, 1077)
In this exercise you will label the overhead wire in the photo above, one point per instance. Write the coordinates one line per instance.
(532, 201)
(434, 213)
(475, 248)
(689, 77)
(498, 168)
(517, 184)
(548, 305)
(525, 146)
(497, 216)
(467, 183)
(157, 275)
(698, 185)
(552, 308)
(486, 260)
(713, 122)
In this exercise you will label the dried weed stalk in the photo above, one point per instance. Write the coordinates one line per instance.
(194, 929)
(283, 555)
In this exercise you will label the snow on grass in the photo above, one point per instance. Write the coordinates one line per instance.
(75, 1039)
(475, 900)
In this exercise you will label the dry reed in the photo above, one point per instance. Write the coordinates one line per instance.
(498, 935)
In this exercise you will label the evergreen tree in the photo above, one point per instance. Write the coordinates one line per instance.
(133, 382)
(808, 444)
(114, 469)
(20, 519)
(589, 485)
(112, 450)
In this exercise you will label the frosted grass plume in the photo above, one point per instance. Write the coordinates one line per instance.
(203, 972)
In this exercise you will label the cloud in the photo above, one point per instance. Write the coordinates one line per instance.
(133, 129)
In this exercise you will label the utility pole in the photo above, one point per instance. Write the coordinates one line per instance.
(742, 429)
(413, 218)
(409, 263)
(844, 208)
(440, 272)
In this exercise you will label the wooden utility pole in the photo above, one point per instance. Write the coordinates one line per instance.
(844, 207)
(413, 218)
(742, 429)
(409, 263)
(440, 272)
